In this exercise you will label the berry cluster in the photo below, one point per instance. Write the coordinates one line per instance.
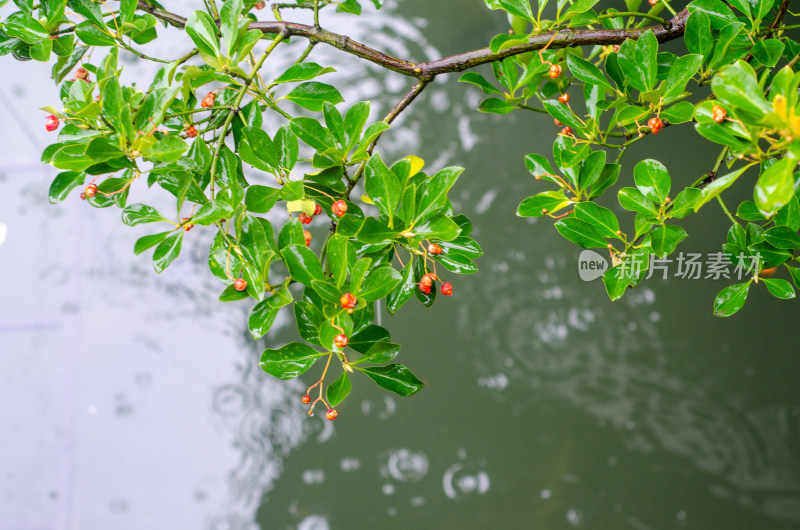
(718, 113)
(208, 101)
(655, 124)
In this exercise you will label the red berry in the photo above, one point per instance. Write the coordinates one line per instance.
(564, 98)
(433, 248)
(260, 5)
(566, 131)
(340, 341)
(425, 288)
(447, 289)
(427, 280)
(186, 226)
(240, 284)
(90, 190)
(348, 301)
(208, 101)
(555, 71)
(317, 209)
(83, 196)
(305, 219)
(51, 123)
(339, 208)
(332, 414)
(81, 73)
(655, 124)
(719, 113)
(191, 132)
(306, 399)
(558, 123)
(307, 235)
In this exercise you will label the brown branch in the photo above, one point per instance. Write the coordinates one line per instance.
(564, 38)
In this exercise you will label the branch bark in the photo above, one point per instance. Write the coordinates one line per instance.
(673, 29)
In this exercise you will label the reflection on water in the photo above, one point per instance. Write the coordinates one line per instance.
(135, 401)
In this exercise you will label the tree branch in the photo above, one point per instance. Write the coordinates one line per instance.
(564, 38)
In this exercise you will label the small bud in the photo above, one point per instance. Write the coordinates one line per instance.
(544, 211)
(240, 284)
(564, 98)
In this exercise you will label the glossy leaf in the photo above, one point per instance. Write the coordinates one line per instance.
(394, 377)
(289, 361)
(731, 299)
(339, 390)
(580, 232)
(302, 263)
(779, 288)
(313, 94)
(167, 251)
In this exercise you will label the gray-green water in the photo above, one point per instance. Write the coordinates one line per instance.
(133, 401)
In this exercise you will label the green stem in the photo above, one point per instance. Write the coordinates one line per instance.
(725, 209)
(621, 14)
(235, 107)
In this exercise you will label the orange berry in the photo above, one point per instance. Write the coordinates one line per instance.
(91, 190)
(332, 414)
(305, 219)
(306, 399)
(208, 101)
(339, 208)
(557, 122)
(447, 289)
(340, 341)
(564, 98)
(186, 226)
(566, 131)
(348, 301)
(240, 284)
(555, 71)
(51, 123)
(307, 235)
(191, 132)
(427, 280)
(433, 248)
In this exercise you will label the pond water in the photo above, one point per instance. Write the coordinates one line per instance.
(130, 400)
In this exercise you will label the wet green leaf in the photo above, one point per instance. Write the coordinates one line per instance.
(289, 361)
(394, 377)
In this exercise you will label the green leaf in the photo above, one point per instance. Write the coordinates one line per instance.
(167, 251)
(335, 123)
(782, 237)
(309, 319)
(338, 390)
(768, 51)
(616, 282)
(382, 186)
(747, 210)
(731, 299)
(716, 187)
(302, 72)
(145, 242)
(775, 186)
(634, 200)
(211, 212)
(379, 283)
(203, 32)
(684, 202)
(681, 71)
(288, 361)
(302, 263)
(230, 294)
(379, 352)
(665, 238)
(354, 121)
(229, 24)
(138, 213)
(24, 27)
(580, 232)
(521, 8)
(550, 200)
(602, 219)
(439, 227)
(338, 258)
(311, 132)
(697, 36)
(394, 377)
(779, 288)
(311, 95)
(736, 85)
(87, 8)
(92, 35)
(263, 314)
(373, 232)
(261, 199)
(258, 150)
(638, 61)
(478, 80)
(456, 262)
(434, 195)
(652, 179)
(562, 113)
(496, 106)
(64, 182)
(401, 294)
(168, 149)
(364, 340)
(586, 71)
